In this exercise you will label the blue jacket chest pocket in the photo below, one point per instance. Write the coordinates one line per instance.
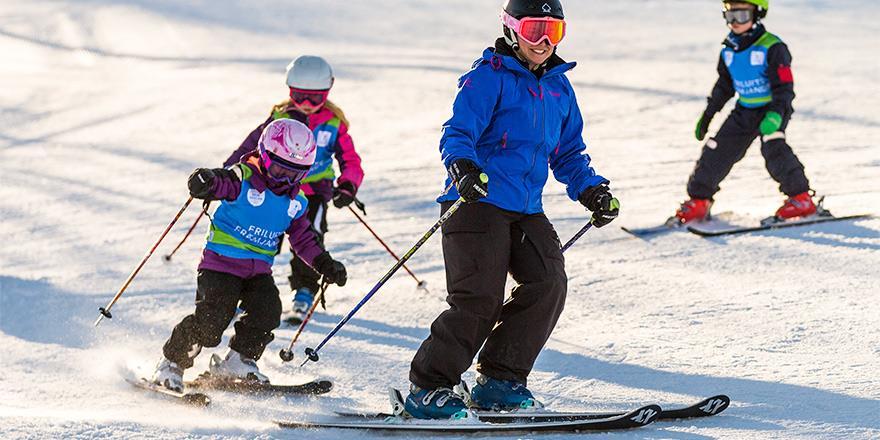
(557, 104)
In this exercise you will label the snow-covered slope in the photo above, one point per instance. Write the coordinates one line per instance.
(106, 107)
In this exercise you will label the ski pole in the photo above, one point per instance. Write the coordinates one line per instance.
(614, 204)
(312, 353)
(577, 236)
(105, 311)
(421, 284)
(287, 355)
(191, 228)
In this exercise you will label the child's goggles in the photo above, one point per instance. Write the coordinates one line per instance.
(536, 29)
(315, 97)
(739, 16)
(282, 170)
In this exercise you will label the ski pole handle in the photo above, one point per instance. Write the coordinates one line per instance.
(287, 355)
(105, 311)
(312, 353)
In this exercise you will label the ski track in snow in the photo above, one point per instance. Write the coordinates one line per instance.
(107, 107)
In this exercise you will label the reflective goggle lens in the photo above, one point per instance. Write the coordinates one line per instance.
(740, 16)
(284, 171)
(315, 97)
(286, 174)
(533, 30)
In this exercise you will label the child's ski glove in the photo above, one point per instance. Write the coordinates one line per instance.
(771, 123)
(332, 270)
(343, 194)
(703, 125)
(213, 184)
(201, 182)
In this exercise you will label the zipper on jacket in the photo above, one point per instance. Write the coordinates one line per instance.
(543, 143)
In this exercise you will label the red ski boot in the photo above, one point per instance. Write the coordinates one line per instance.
(693, 210)
(800, 205)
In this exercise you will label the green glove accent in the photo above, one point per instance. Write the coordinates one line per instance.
(615, 204)
(700, 131)
(771, 123)
(703, 125)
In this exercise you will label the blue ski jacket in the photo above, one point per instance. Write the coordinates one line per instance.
(513, 124)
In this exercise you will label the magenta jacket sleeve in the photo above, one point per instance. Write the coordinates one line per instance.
(349, 160)
(249, 144)
(304, 240)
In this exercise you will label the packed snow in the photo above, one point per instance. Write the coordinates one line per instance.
(106, 106)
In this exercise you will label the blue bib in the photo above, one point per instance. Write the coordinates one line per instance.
(748, 69)
(325, 137)
(252, 226)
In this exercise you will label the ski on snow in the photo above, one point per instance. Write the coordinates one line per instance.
(205, 382)
(706, 230)
(237, 386)
(727, 223)
(633, 419)
(194, 399)
(708, 407)
(485, 421)
(652, 231)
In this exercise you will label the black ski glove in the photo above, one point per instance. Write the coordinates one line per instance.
(466, 176)
(332, 270)
(605, 207)
(200, 183)
(343, 194)
(703, 124)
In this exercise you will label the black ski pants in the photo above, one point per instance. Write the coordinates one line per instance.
(301, 274)
(217, 296)
(481, 244)
(729, 146)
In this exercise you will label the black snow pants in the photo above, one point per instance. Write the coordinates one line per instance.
(729, 146)
(481, 244)
(217, 296)
(301, 274)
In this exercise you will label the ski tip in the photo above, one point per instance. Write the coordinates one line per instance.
(645, 415)
(714, 405)
(196, 399)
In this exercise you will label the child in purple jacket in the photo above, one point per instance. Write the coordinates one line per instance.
(310, 79)
(260, 201)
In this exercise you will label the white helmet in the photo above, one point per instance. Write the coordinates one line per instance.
(309, 72)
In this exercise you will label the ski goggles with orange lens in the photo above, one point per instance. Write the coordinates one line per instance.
(536, 29)
(315, 97)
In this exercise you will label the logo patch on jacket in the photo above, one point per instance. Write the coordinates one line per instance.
(758, 58)
(324, 138)
(255, 198)
(728, 58)
(294, 208)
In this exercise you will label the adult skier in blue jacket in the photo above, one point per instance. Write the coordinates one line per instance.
(515, 114)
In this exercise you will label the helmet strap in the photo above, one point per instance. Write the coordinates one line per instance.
(510, 38)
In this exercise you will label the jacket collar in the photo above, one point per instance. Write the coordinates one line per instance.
(555, 65)
(742, 42)
(314, 120)
(260, 182)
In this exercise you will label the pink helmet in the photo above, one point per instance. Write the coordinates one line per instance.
(287, 150)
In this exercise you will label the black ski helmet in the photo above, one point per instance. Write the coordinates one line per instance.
(529, 8)
(534, 8)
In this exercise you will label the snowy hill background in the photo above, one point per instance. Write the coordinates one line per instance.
(107, 106)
